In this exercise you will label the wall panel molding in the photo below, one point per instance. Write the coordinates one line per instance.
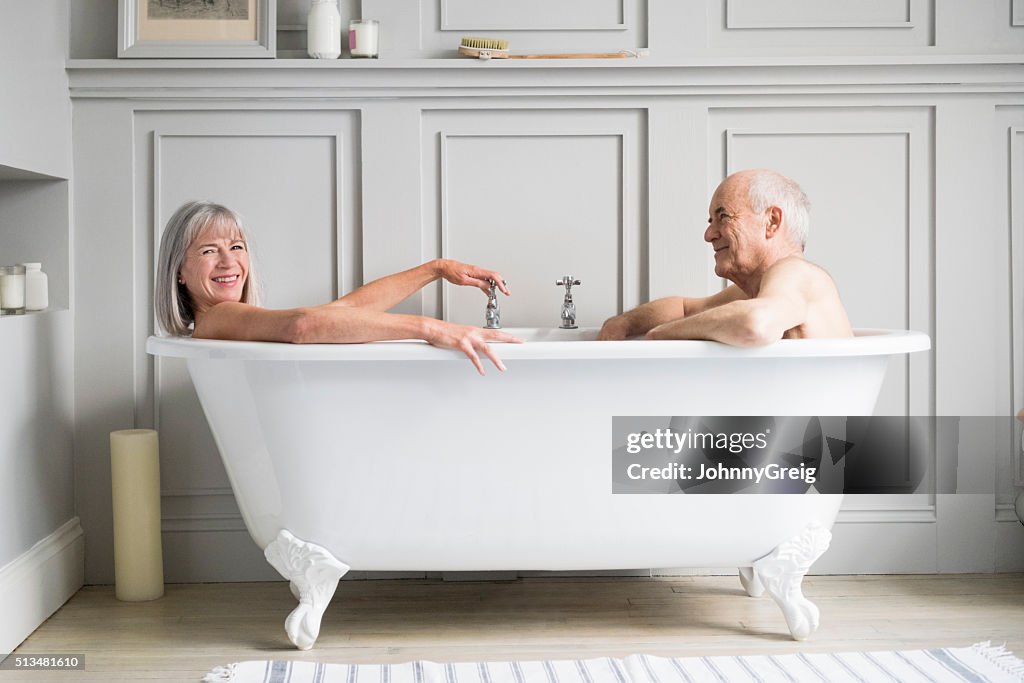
(531, 26)
(473, 16)
(831, 125)
(618, 132)
(853, 513)
(744, 14)
(710, 75)
(825, 26)
(1016, 239)
(198, 506)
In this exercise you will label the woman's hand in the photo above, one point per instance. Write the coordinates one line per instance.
(471, 341)
(474, 276)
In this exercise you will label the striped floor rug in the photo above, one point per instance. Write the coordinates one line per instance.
(979, 663)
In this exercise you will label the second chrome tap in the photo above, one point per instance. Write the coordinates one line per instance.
(568, 307)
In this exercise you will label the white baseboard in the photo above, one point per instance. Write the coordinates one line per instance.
(38, 582)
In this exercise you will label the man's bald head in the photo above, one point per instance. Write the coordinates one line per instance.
(764, 188)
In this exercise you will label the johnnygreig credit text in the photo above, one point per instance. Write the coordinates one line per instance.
(735, 442)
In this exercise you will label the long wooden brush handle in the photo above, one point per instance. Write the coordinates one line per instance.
(578, 55)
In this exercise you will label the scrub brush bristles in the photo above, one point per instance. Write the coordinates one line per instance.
(484, 48)
(485, 43)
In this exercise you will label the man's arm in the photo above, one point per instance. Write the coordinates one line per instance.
(645, 317)
(780, 305)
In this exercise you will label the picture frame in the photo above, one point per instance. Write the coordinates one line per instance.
(163, 29)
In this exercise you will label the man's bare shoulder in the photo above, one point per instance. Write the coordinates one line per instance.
(798, 271)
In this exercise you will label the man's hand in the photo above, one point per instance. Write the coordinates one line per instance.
(614, 329)
(642, 318)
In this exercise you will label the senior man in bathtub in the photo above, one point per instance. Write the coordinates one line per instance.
(757, 226)
(205, 287)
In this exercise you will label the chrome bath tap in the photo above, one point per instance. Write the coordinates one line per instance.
(568, 307)
(492, 317)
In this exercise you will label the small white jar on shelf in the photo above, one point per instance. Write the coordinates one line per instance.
(37, 291)
(323, 30)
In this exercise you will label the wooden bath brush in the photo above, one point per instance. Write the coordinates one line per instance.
(497, 48)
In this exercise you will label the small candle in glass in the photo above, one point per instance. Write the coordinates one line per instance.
(364, 38)
(12, 290)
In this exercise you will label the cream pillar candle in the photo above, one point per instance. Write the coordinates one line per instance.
(12, 289)
(135, 485)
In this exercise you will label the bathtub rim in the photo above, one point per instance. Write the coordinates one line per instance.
(866, 342)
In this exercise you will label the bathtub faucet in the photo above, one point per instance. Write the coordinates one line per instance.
(492, 317)
(568, 307)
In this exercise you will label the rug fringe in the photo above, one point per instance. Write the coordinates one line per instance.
(1001, 657)
(221, 674)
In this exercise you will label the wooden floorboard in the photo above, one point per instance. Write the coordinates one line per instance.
(195, 627)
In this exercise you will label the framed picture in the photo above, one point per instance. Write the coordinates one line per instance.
(197, 28)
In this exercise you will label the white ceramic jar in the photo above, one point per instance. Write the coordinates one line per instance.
(37, 294)
(323, 30)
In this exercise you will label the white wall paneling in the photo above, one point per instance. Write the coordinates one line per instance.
(432, 28)
(846, 158)
(603, 171)
(391, 168)
(294, 180)
(537, 195)
(436, 27)
(41, 562)
(1014, 139)
(824, 25)
(843, 156)
(535, 15)
(677, 254)
(1008, 146)
(755, 14)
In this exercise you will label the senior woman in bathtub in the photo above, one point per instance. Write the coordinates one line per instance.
(205, 286)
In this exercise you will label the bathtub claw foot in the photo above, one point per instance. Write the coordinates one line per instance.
(313, 574)
(782, 571)
(751, 584)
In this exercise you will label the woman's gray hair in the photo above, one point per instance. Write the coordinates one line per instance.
(769, 188)
(172, 303)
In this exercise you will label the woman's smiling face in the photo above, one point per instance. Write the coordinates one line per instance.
(216, 266)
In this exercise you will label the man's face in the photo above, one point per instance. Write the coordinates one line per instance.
(735, 233)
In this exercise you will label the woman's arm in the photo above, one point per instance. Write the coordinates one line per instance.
(346, 324)
(387, 292)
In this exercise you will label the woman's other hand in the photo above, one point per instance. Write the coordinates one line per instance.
(472, 341)
(466, 274)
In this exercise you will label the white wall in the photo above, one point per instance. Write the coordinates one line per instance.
(41, 562)
(36, 494)
(35, 111)
(899, 118)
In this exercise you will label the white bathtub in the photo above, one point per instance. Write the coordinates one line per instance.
(398, 456)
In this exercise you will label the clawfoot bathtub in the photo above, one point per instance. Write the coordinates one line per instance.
(398, 456)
